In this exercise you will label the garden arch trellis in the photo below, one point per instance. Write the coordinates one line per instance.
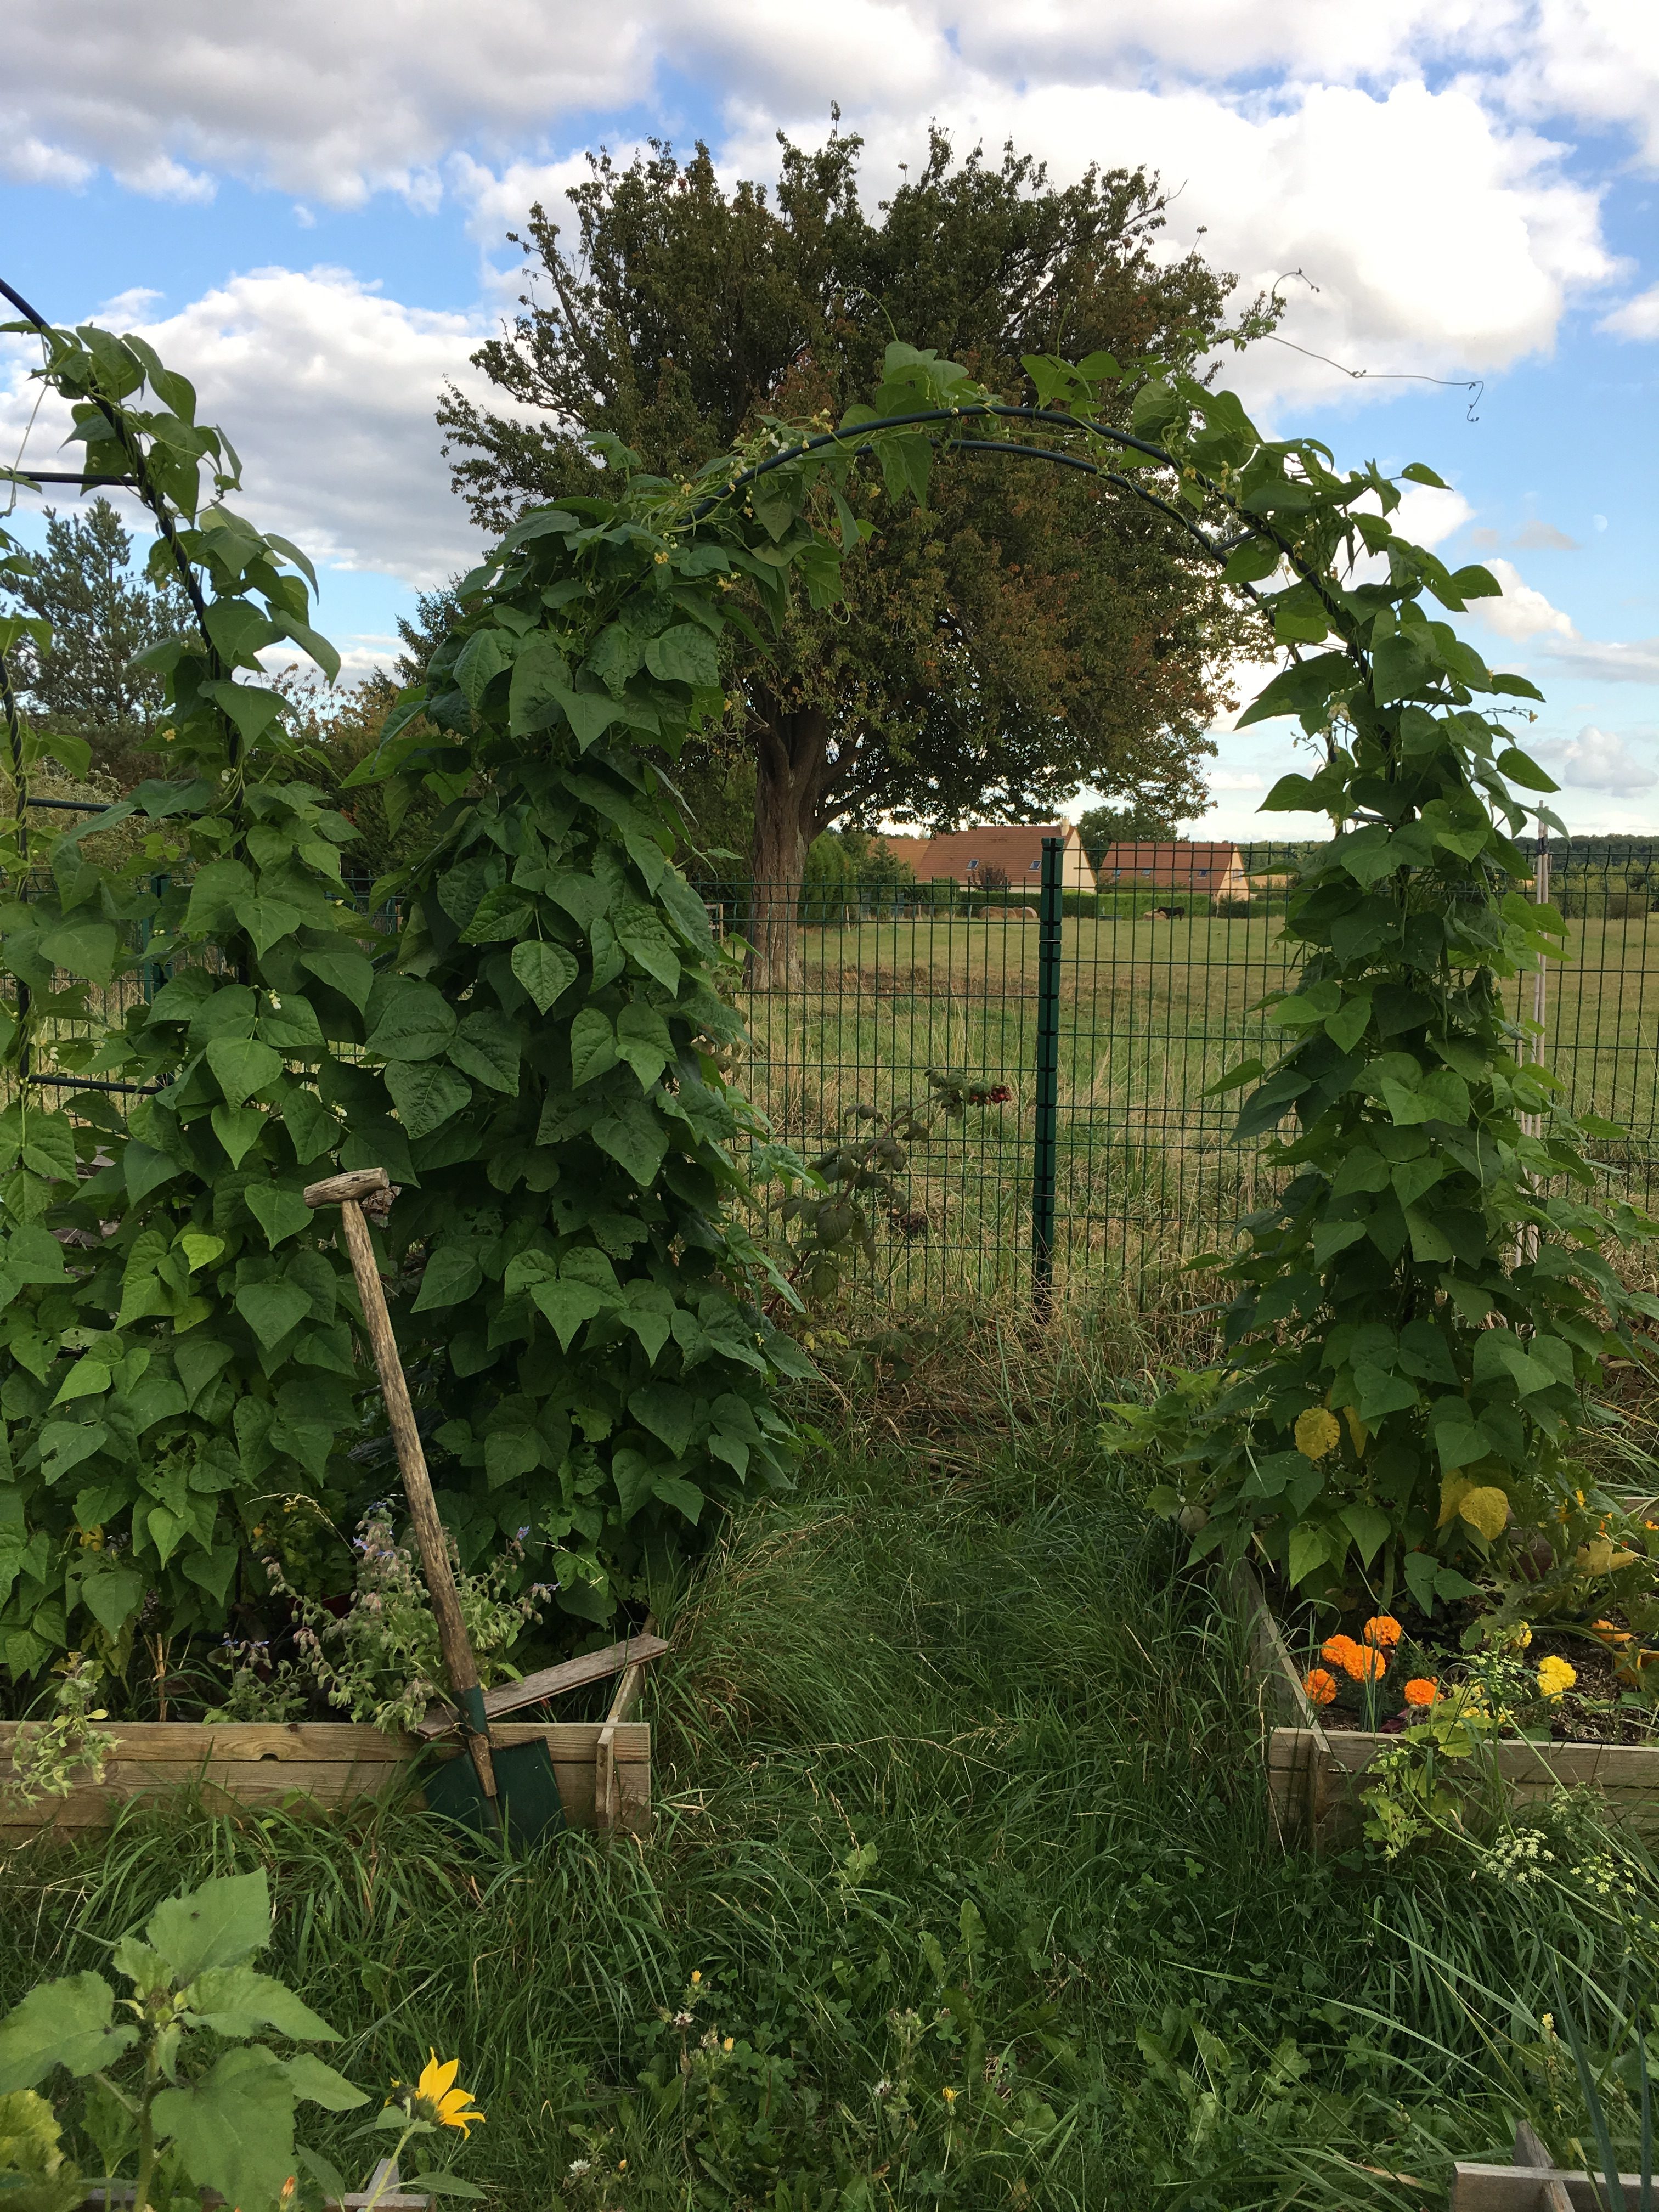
(538, 1059)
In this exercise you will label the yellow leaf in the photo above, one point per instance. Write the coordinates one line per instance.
(1601, 1557)
(1454, 1489)
(1487, 1509)
(1356, 1430)
(1317, 1433)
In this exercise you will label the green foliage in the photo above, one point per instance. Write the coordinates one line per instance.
(535, 1059)
(1010, 643)
(379, 1660)
(1432, 1270)
(1141, 822)
(48, 1756)
(184, 2107)
(953, 1669)
(866, 1176)
(102, 616)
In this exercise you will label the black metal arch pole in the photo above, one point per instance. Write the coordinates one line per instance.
(1217, 550)
(141, 485)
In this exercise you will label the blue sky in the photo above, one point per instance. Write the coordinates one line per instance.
(307, 214)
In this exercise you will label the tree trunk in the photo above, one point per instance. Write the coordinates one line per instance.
(791, 769)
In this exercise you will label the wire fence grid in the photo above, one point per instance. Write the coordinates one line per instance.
(1148, 995)
(1082, 1031)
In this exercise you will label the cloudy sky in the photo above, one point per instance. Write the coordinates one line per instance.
(304, 209)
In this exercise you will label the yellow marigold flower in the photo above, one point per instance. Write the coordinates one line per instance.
(1383, 1632)
(1421, 1690)
(1320, 1684)
(1318, 1432)
(1556, 1677)
(437, 2099)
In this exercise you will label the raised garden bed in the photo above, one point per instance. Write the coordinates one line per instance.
(602, 1768)
(1314, 1774)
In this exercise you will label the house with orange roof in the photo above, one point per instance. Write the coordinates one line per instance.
(1191, 871)
(1013, 850)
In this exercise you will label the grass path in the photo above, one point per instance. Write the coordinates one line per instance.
(962, 1831)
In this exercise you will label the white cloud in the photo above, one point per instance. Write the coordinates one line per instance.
(1427, 514)
(1351, 188)
(1540, 537)
(26, 159)
(1596, 60)
(1636, 318)
(1596, 760)
(1609, 660)
(328, 390)
(1521, 612)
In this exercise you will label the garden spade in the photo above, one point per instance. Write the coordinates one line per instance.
(515, 1780)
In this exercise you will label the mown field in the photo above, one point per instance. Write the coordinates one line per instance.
(1151, 1011)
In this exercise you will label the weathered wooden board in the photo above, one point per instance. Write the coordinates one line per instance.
(258, 1763)
(1313, 1776)
(550, 1682)
(1477, 2188)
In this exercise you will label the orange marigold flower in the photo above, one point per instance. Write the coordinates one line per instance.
(1320, 1684)
(1422, 1690)
(1357, 1661)
(1382, 1631)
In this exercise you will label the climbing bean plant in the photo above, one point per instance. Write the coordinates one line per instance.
(1417, 1316)
(537, 1053)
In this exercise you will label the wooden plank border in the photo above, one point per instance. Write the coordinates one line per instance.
(1314, 1777)
(328, 1762)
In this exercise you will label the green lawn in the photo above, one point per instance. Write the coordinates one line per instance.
(963, 1827)
(1152, 1011)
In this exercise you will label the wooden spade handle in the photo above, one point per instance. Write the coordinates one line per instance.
(411, 1460)
(359, 1184)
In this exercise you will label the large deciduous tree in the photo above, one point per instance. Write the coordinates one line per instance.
(1029, 631)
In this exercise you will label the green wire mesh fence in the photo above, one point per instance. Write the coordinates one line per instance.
(1155, 992)
(1075, 1035)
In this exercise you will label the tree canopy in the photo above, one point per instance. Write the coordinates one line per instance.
(1028, 631)
(102, 612)
(1135, 824)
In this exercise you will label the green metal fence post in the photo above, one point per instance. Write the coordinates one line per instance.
(1048, 1075)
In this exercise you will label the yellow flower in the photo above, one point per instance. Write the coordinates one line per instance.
(696, 1975)
(437, 2101)
(1317, 1433)
(1556, 1677)
(950, 2096)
